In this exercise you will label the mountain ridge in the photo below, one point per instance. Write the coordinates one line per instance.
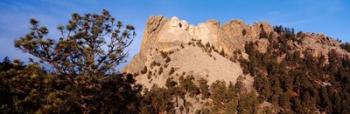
(172, 49)
(166, 34)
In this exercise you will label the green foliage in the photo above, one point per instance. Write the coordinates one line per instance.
(154, 63)
(244, 32)
(158, 100)
(345, 46)
(172, 70)
(164, 54)
(296, 83)
(222, 52)
(188, 85)
(289, 32)
(284, 100)
(167, 59)
(203, 111)
(160, 70)
(204, 88)
(171, 85)
(79, 74)
(207, 45)
(30, 89)
(144, 70)
(89, 44)
(218, 89)
(247, 104)
(263, 33)
(232, 98)
(182, 46)
(164, 100)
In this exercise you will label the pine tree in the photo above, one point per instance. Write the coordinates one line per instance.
(247, 103)
(79, 69)
(204, 88)
(89, 44)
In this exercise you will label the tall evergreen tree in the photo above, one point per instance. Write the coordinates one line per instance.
(90, 44)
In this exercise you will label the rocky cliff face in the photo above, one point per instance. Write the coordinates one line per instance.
(187, 47)
(174, 37)
(173, 48)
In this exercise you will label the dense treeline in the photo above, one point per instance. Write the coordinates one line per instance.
(75, 74)
(299, 84)
(30, 89)
(345, 46)
(177, 95)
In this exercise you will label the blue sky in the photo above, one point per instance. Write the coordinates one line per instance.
(331, 17)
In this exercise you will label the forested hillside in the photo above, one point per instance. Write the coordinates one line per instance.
(300, 82)
(209, 68)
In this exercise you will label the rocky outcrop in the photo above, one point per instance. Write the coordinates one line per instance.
(173, 48)
(175, 36)
(164, 34)
(184, 42)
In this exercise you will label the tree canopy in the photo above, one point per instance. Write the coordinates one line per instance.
(89, 44)
(74, 74)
